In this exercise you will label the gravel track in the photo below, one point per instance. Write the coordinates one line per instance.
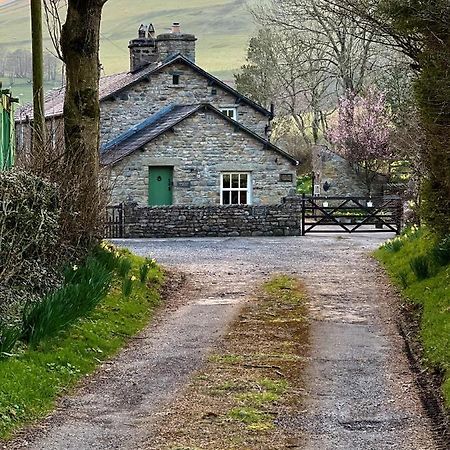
(361, 393)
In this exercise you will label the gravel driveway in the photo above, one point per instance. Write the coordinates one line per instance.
(361, 393)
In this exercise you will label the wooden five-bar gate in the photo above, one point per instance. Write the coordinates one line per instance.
(319, 215)
(351, 214)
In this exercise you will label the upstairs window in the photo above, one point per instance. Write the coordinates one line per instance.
(229, 112)
(175, 79)
(235, 188)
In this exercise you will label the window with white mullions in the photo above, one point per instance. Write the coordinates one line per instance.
(235, 188)
(229, 112)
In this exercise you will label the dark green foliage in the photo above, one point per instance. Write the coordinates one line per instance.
(304, 184)
(143, 272)
(9, 335)
(124, 267)
(423, 30)
(420, 266)
(127, 286)
(394, 246)
(55, 312)
(440, 254)
(107, 255)
(403, 277)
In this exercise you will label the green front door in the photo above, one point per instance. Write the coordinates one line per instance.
(160, 186)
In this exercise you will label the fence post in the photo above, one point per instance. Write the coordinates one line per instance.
(399, 215)
(303, 213)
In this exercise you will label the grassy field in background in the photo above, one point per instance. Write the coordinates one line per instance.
(22, 88)
(223, 29)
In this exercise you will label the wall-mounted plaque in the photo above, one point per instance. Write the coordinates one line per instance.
(183, 184)
(287, 177)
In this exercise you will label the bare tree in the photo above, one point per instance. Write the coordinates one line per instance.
(282, 70)
(343, 49)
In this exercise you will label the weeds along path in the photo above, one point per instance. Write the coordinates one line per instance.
(360, 392)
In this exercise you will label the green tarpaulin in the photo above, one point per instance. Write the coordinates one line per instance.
(7, 135)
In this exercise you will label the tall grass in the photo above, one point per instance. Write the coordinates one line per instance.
(84, 287)
(55, 312)
(420, 266)
(9, 335)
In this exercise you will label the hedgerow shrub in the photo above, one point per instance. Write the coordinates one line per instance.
(29, 233)
(440, 254)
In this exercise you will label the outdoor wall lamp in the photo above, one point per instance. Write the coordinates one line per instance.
(370, 204)
(325, 204)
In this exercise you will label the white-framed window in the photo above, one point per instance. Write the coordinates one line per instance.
(230, 112)
(235, 188)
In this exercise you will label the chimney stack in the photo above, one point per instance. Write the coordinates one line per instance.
(176, 42)
(143, 50)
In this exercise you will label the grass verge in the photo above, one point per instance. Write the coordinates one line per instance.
(252, 385)
(32, 378)
(419, 266)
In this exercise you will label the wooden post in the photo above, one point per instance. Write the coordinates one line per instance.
(399, 214)
(38, 79)
(303, 213)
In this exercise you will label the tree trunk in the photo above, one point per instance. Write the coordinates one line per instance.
(80, 48)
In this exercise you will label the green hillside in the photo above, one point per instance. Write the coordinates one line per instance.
(223, 28)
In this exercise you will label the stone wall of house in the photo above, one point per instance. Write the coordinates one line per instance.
(189, 221)
(343, 180)
(142, 100)
(199, 149)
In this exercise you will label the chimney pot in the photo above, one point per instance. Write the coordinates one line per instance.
(176, 28)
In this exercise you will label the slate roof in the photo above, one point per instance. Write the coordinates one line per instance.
(114, 84)
(140, 135)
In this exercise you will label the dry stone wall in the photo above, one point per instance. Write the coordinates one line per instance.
(212, 221)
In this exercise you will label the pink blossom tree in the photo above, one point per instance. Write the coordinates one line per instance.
(362, 133)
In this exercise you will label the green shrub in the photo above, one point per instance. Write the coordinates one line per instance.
(420, 266)
(440, 254)
(56, 311)
(30, 248)
(304, 184)
(127, 286)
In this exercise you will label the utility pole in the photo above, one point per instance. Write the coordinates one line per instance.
(38, 80)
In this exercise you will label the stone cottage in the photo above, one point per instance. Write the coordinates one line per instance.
(173, 134)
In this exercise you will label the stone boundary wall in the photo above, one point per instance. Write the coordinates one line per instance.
(212, 221)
